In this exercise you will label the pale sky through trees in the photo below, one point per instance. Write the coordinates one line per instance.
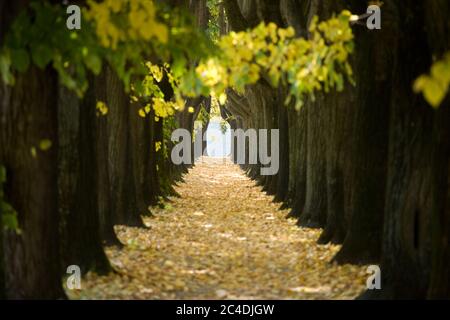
(218, 143)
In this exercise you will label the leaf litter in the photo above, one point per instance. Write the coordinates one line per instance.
(223, 238)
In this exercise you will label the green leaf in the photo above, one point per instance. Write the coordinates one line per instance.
(179, 64)
(94, 63)
(339, 81)
(20, 59)
(5, 68)
(298, 104)
(9, 217)
(41, 56)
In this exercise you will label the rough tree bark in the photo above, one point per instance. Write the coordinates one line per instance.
(361, 132)
(283, 173)
(236, 19)
(84, 236)
(315, 210)
(417, 164)
(120, 158)
(436, 17)
(297, 160)
(28, 114)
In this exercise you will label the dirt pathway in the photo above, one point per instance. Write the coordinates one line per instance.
(222, 239)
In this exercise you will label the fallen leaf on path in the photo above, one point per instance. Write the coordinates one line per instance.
(222, 241)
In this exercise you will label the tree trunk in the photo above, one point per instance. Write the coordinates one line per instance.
(361, 132)
(28, 115)
(315, 210)
(120, 164)
(436, 14)
(83, 246)
(2, 260)
(283, 173)
(440, 273)
(236, 20)
(337, 146)
(418, 157)
(199, 9)
(298, 129)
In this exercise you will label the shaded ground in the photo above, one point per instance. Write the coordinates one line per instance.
(222, 239)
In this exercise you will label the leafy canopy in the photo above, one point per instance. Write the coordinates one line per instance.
(276, 54)
(267, 51)
(122, 33)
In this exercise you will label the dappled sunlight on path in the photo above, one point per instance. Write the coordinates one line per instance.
(223, 238)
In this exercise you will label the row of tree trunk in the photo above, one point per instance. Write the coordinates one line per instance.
(369, 165)
(101, 171)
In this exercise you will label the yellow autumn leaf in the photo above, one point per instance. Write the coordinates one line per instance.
(102, 108)
(33, 152)
(158, 145)
(434, 93)
(142, 113)
(435, 85)
(45, 144)
(222, 98)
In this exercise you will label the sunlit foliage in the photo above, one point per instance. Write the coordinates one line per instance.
(435, 85)
(123, 20)
(39, 36)
(122, 33)
(267, 51)
(102, 108)
(149, 92)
